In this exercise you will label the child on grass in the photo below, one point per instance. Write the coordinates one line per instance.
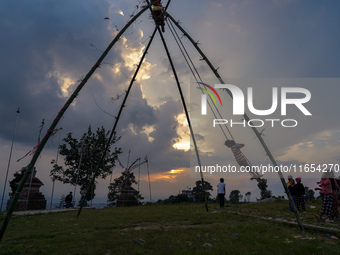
(221, 192)
(240, 158)
(235, 148)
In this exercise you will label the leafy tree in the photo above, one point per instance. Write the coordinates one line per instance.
(198, 191)
(234, 196)
(262, 184)
(91, 194)
(125, 180)
(82, 158)
(180, 198)
(169, 200)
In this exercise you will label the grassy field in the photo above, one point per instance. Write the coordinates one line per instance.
(167, 229)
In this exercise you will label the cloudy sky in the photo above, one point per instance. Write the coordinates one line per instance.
(48, 46)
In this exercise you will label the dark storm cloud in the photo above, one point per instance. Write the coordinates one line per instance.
(163, 156)
(56, 46)
(38, 40)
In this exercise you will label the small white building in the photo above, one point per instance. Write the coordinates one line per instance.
(188, 192)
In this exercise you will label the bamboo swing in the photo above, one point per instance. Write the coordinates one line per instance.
(90, 73)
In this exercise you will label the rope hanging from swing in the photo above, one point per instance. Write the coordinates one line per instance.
(199, 81)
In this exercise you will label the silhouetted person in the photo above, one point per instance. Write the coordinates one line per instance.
(221, 192)
(158, 15)
(68, 200)
(300, 194)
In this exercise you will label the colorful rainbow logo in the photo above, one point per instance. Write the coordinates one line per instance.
(209, 93)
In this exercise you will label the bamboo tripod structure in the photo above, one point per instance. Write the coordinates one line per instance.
(84, 81)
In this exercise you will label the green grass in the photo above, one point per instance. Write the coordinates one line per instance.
(166, 229)
(279, 210)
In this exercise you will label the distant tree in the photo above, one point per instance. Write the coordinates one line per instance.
(266, 194)
(198, 191)
(82, 158)
(125, 180)
(234, 196)
(240, 196)
(180, 198)
(309, 194)
(169, 200)
(247, 196)
(262, 184)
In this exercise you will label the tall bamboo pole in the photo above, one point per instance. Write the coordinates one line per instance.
(58, 117)
(184, 105)
(188, 118)
(258, 135)
(10, 157)
(116, 122)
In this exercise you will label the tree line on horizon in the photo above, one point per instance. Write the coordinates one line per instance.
(82, 156)
(235, 196)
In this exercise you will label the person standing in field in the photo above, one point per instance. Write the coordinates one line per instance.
(300, 194)
(335, 188)
(221, 192)
(68, 200)
(327, 198)
(290, 178)
(292, 189)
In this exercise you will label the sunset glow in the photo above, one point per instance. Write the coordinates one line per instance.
(169, 176)
(183, 132)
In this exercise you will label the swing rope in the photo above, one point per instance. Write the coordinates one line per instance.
(196, 74)
(194, 70)
(214, 70)
(187, 116)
